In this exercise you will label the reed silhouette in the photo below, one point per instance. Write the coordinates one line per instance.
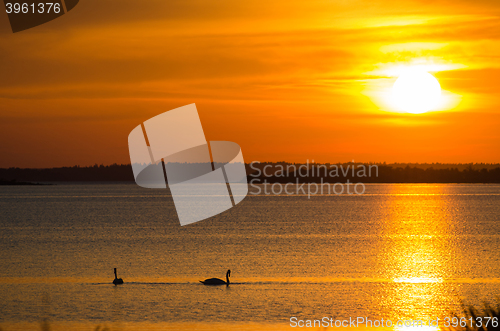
(489, 317)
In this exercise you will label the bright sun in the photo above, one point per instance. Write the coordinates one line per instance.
(416, 91)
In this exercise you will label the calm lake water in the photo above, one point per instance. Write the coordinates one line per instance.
(396, 252)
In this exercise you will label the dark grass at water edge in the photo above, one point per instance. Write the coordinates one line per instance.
(493, 312)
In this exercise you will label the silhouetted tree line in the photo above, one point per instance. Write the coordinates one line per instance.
(389, 174)
(96, 173)
(386, 174)
(431, 175)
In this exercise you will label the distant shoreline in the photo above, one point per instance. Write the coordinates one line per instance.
(14, 182)
(269, 172)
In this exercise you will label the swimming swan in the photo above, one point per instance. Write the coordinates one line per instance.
(217, 281)
(117, 281)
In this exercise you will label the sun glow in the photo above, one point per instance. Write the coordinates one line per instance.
(417, 280)
(416, 91)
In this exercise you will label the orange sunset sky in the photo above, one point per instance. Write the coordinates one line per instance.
(286, 80)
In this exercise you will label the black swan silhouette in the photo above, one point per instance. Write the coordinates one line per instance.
(217, 281)
(117, 281)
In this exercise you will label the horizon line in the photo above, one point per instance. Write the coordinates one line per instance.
(277, 162)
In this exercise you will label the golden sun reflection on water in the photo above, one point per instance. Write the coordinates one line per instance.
(418, 280)
(416, 328)
(417, 255)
